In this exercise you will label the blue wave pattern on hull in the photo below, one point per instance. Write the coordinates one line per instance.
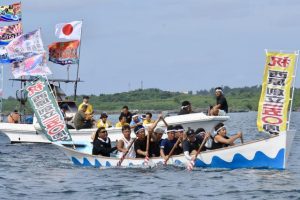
(260, 160)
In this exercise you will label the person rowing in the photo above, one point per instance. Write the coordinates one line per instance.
(124, 143)
(168, 143)
(221, 139)
(102, 144)
(192, 143)
(140, 144)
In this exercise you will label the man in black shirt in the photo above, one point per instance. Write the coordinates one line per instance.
(186, 108)
(221, 107)
(192, 143)
(141, 143)
(125, 113)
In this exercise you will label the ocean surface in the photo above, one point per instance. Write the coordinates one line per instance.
(41, 171)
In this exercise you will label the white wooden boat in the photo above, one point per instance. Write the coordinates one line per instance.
(273, 117)
(271, 153)
(29, 133)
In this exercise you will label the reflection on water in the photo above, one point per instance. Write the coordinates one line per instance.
(40, 171)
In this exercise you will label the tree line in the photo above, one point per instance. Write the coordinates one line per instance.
(239, 99)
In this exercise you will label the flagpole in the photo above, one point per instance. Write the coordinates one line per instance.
(293, 90)
(77, 74)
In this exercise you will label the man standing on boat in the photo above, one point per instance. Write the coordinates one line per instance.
(221, 107)
(125, 112)
(125, 142)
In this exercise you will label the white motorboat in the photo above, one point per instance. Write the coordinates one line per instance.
(31, 133)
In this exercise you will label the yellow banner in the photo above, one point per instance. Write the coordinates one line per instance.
(275, 94)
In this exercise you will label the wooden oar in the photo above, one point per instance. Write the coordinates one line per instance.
(125, 154)
(163, 119)
(147, 149)
(172, 150)
(242, 138)
(191, 164)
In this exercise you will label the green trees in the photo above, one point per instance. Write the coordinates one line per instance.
(239, 99)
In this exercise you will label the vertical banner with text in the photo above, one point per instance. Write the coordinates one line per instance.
(47, 112)
(275, 94)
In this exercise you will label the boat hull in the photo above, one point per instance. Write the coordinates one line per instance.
(28, 133)
(263, 154)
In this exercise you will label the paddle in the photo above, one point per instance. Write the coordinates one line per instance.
(242, 138)
(147, 149)
(163, 119)
(172, 150)
(191, 164)
(125, 154)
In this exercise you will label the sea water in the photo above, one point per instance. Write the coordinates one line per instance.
(41, 171)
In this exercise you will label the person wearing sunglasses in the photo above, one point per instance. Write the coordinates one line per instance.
(221, 139)
(102, 144)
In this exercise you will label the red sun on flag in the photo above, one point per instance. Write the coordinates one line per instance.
(67, 29)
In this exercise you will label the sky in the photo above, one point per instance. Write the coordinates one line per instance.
(173, 45)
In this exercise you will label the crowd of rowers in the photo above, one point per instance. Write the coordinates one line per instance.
(188, 143)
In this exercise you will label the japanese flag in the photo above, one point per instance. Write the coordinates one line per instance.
(71, 30)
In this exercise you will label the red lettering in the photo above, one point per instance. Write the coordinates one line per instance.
(39, 86)
(54, 124)
(271, 120)
(273, 111)
(279, 61)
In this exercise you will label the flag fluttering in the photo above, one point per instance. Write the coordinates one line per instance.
(8, 33)
(32, 66)
(64, 53)
(11, 13)
(70, 31)
(25, 46)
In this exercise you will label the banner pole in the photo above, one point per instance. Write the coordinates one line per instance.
(77, 73)
(293, 90)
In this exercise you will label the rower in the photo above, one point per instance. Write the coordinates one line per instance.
(168, 143)
(125, 142)
(192, 143)
(221, 139)
(102, 144)
(140, 144)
